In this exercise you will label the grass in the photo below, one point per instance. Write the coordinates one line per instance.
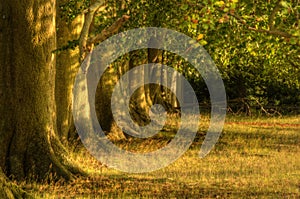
(254, 158)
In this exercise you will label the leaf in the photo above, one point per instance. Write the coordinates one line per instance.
(203, 42)
(200, 36)
(293, 41)
(220, 3)
(296, 33)
(205, 26)
(184, 7)
(284, 4)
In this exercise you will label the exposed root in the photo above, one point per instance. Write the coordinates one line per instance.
(9, 190)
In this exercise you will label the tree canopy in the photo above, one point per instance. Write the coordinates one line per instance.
(255, 44)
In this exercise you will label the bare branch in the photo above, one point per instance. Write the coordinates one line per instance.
(88, 19)
(272, 32)
(108, 31)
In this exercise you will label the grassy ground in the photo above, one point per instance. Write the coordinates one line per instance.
(254, 158)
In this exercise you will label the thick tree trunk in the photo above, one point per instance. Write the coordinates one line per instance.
(29, 145)
(103, 103)
(139, 107)
(153, 92)
(67, 64)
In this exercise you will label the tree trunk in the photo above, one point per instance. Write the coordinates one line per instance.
(139, 108)
(153, 92)
(29, 145)
(103, 103)
(67, 64)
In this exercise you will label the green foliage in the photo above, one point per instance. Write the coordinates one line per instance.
(71, 45)
(255, 44)
(73, 8)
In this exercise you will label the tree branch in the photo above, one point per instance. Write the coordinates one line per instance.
(86, 43)
(272, 30)
(94, 7)
(108, 31)
(88, 19)
(273, 14)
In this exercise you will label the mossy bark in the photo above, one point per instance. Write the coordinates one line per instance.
(139, 105)
(67, 65)
(29, 145)
(103, 103)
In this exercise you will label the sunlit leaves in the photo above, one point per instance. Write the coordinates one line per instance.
(200, 36)
(219, 3)
(73, 8)
(184, 7)
(252, 63)
(285, 4)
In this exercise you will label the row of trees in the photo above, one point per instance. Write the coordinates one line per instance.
(42, 43)
(254, 44)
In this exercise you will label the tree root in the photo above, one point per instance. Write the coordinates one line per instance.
(8, 190)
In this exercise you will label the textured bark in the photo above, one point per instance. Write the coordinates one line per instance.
(89, 14)
(29, 146)
(156, 94)
(5, 84)
(103, 103)
(67, 64)
(153, 92)
(139, 107)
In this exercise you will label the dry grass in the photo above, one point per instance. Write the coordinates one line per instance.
(254, 158)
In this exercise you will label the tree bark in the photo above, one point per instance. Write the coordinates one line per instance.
(153, 92)
(139, 107)
(29, 146)
(103, 103)
(67, 64)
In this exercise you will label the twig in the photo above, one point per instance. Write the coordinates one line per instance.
(271, 32)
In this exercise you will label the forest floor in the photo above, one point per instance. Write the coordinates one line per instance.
(255, 157)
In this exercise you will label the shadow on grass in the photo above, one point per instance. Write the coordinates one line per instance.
(121, 186)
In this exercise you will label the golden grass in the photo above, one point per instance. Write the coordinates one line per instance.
(254, 158)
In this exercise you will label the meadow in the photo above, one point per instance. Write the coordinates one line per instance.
(255, 157)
